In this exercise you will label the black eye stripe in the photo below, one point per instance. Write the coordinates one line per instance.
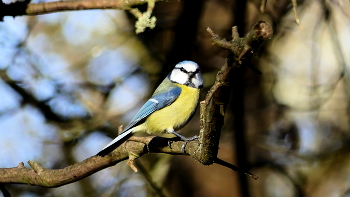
(185, 71)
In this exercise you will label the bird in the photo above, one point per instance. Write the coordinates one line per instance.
(169, 109)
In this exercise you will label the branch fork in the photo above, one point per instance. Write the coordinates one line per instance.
(241, 46)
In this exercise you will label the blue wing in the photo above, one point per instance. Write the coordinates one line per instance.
(155, 103)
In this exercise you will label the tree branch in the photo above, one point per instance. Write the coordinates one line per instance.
(214, 106)
(27, 8)
(136, 146)
(295, 6)
(20, 8)
(205, 150)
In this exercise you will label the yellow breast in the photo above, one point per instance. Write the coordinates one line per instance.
(175, 115)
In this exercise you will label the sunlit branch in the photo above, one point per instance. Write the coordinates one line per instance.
(26, 8)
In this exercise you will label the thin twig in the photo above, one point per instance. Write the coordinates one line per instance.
(235, 168)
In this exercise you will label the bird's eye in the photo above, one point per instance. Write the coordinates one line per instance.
(183, 70)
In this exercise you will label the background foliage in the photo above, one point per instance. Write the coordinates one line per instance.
(69, 79)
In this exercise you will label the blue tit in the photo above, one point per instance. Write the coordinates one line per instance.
(169, 109)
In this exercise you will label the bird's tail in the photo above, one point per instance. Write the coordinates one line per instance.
(115, 143)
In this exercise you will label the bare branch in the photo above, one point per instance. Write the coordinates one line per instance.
(240, 46)
(263, 6)
(297, 21)
(40, 176)
(20, 8)
(26, 8)
(295, 6)
(214, 106)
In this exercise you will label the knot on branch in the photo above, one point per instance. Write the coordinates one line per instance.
(20, 165)
(36, 167)
(263, 30)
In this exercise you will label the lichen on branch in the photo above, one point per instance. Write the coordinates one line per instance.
(144, 20)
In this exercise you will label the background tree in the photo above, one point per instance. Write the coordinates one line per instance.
(69, 79)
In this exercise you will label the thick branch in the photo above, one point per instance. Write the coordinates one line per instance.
(25, 8)
(20, 8)
(136, 146)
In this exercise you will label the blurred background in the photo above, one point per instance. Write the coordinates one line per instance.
(69, 79)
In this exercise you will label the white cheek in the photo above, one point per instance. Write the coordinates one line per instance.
(178, 77)
(197, 80)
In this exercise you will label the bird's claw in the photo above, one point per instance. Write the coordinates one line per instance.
(183, 147)
(169, 143)
(196, 137)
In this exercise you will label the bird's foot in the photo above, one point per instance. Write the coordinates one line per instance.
(169, 143)
(186, 140)
(183, 138)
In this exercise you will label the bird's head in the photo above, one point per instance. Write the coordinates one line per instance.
(187, 73)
